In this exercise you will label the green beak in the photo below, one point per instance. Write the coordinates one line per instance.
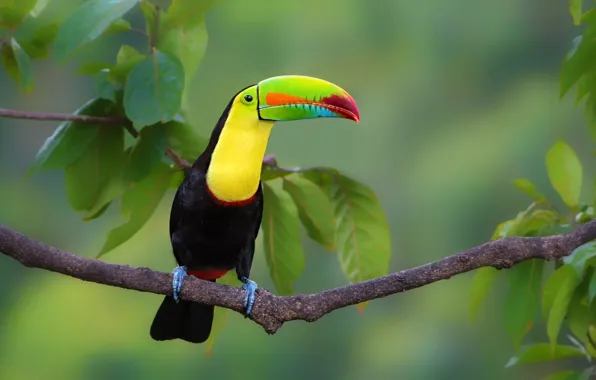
(294, 97)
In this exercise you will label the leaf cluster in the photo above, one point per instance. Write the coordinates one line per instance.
(133, 158)
(559, 296)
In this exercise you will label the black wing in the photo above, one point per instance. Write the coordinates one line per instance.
(248, 251)
(183, 215)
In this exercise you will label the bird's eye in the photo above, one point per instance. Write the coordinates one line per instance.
(248, 98)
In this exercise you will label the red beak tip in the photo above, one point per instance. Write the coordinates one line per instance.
(356, 115)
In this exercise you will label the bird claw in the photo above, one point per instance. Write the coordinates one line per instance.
(250, 288)
(178, 276)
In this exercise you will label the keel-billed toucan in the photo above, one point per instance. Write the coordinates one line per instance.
(217, 210)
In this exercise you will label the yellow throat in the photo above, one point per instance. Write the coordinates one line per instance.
(235, 169)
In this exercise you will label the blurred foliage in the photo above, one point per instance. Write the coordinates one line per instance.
(566, 295)
(142, 94)
(449, 118)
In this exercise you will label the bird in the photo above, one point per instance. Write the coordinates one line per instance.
(217, 210)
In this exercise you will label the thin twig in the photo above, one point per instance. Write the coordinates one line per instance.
(271, 311)
(178, 160)
(105, 120)
(155, 34)
(131, 129)
(139, 31)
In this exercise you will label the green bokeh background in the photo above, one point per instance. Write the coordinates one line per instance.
(457, 99)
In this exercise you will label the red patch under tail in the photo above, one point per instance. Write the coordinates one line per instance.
(209, 274)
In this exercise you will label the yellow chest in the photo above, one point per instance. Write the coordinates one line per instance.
(235, 169)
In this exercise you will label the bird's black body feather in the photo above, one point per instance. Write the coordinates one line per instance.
(206, 234)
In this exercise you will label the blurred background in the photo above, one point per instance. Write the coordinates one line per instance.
(457, 99)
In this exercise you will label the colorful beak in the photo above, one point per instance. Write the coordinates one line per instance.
(294, 97)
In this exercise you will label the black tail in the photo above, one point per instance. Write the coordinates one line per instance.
(189, 321)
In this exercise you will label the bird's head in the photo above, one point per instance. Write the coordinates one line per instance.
(239, 141)
(295, 97)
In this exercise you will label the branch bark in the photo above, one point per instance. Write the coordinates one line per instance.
(47, 116)
(271, 311)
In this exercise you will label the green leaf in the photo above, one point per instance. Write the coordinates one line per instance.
(579, 317)
(184, 140)
(112, 191)
(281, 239)
(572, 375)
(535, 223)
(504, 229)
(577, 63)
(552, 284)
(148, 10)
(528, 188)
(96, 213)
(186, 12)
(153, 90)
(93, 68)
(575, 9)
(322, 177)
(71, 139)
(314, 210)
(484, 280)
(584, 215)
(18, 65)
(65, 145)
(177, 179)
(118, 26)
(12, 12)
(139, 203)
(563, 296)
(530, 222)
(523, 298)
(88, 175)
(564, 375)
(580, 256)
(39, 7)
(557, 294)
(542, 352)
(148, 151)
(116, 185)
(104, 87)
(586, 374)
(9, 18)
(126, 59)
(184, 35)
(269, 172)
(584, 87)
(362, 237)
(37, 45)
(592, 288)
(565, 172)
(589, 81)
(87, 23)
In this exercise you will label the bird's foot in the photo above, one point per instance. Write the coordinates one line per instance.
(250, 288)
(178, 276)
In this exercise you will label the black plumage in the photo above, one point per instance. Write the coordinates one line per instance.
(206, 234)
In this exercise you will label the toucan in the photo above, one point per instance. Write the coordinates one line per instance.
(217, 210)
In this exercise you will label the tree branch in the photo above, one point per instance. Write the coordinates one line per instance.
(105, 120)
(271, 311)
